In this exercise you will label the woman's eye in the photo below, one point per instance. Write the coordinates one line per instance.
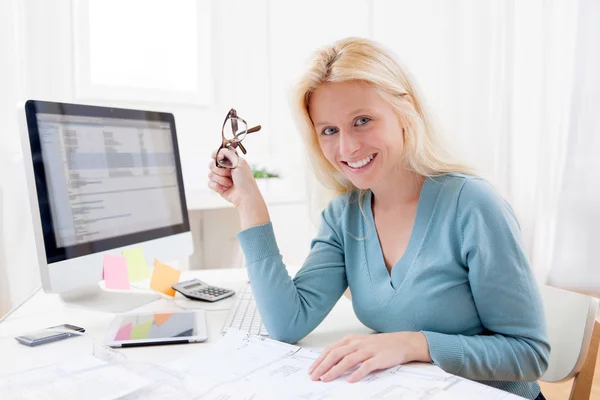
(329, 131)
(362, 121)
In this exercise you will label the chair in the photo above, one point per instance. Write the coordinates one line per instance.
(574, 335)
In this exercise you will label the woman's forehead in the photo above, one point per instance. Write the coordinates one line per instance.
(343, 99)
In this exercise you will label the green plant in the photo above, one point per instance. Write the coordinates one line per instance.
(259, 173)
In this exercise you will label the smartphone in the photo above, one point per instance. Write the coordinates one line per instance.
(48, 335)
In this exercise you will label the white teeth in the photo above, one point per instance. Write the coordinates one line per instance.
(361, 163)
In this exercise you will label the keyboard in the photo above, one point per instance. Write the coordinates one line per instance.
(244, 314)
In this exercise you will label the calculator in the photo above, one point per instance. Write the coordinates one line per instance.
(197, 290)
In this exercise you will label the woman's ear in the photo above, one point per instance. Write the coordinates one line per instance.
(409, 98)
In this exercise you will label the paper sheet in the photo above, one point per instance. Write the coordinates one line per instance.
(245, 366)
(238, 367)
(85, 377)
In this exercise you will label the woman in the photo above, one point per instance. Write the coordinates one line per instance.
(432, 254)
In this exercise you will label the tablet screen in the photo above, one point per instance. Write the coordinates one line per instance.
(155, 326)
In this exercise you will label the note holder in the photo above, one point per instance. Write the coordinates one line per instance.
(98, 299)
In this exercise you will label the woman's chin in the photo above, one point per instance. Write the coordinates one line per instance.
(361, 184)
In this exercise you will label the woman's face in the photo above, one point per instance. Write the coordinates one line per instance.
(358, 131)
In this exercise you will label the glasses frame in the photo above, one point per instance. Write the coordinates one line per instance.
(232, 144)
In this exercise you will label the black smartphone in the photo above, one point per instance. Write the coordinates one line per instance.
(50, 334)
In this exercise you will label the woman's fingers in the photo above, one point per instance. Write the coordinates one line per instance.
(324, 354)
(348, 362)
(346, 340)
(216, 187)
(221, 180)
(331, 359)
(365, 369)
(218, 170)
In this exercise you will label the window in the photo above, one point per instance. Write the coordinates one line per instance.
(143, 50)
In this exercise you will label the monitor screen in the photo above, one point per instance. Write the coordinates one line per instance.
(105, 177)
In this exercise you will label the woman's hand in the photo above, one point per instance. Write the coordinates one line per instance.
(373, 352)
(239, 187)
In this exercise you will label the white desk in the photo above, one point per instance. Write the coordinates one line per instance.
(44, 310)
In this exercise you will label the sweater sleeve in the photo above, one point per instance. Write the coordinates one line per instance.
(514, 346)
(292, 308)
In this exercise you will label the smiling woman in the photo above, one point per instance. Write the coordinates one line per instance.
(431, 253)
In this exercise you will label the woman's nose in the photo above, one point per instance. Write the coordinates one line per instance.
(348, 144)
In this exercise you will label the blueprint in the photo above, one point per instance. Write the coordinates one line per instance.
(245, 367)
(83, 377)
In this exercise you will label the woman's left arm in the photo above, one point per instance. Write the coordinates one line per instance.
(515, 346)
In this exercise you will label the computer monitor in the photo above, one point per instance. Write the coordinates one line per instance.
(101, 180)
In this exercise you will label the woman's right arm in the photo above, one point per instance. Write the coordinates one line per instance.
(290, 308)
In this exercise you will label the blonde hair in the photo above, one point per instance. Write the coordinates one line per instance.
(365, 61)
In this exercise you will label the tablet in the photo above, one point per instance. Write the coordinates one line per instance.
(147, 329)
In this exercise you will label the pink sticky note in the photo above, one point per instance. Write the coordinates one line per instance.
(124, 333)
(115, 272)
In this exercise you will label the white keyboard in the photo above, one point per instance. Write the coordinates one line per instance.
(244, 314)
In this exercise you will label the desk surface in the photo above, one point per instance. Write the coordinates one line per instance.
(44, 310)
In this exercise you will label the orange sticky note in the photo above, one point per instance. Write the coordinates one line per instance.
(115, 272)
(163, 276)
(161, 318)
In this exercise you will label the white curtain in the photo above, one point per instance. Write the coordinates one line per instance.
(18, 262)
(575, 265)
(497, 75)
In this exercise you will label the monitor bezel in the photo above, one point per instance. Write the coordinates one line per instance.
(56, 254)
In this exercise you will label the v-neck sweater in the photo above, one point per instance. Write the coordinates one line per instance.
(463, 281)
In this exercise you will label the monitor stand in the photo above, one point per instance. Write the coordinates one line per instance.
(95, 298)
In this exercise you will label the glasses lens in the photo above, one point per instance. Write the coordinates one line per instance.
(234, 129)
(227, 158)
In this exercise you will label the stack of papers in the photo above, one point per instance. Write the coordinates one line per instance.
(239, 366)
(84, 377)
(244, 366)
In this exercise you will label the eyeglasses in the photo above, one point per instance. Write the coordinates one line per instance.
(233, 132)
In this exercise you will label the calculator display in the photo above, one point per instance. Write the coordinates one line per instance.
(195, 285)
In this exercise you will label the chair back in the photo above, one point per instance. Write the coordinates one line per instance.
(570, 318)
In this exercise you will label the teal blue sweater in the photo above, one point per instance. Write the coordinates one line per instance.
(464, 281)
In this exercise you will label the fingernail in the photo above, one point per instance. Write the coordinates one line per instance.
(350, 379)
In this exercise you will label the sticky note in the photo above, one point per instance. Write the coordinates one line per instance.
(124, 333)
(163, 276)
(161, 318)
(115, 272)
(136, 264)
(140, 331)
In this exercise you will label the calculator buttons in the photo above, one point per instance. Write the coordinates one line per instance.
(198, 290)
